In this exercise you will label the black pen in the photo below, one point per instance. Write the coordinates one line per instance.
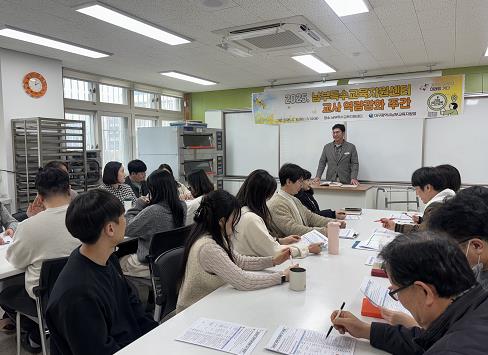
(337, 316)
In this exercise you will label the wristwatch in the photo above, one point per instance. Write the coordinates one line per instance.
(283, 279)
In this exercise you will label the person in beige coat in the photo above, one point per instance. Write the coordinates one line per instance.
(252, 235)
(288, 214)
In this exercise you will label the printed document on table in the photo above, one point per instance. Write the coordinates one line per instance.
(6, 238)
(376, 290)
(352, 217)
(379, 238)
(224, 336)
(403, 218)
(348, 233)
(314, 236)
(296, 341)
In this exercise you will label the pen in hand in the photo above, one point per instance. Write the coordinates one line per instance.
(337, 316)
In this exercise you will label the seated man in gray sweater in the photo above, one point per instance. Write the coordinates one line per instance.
(162, 212)
(289, 215)
(7, 222)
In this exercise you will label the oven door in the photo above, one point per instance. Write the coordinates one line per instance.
(207, 165)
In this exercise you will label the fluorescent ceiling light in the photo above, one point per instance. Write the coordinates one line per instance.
(118, 18)
(314, 63)
(347, 7)
(26, 36)
(186, 77)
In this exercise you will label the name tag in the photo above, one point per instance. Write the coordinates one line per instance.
(347, 153)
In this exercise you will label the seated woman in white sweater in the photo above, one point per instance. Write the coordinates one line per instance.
(208, 260)
(252, 232)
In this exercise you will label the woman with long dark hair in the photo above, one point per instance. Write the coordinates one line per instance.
(209, 261)
(113, 180)
(253, 235)
(200, 185)
(183, 191)
(164, 211)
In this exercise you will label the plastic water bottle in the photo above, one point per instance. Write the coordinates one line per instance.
(333, 237)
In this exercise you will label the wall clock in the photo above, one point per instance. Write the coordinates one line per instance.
(35, 85)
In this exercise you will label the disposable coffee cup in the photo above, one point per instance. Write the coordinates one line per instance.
(298, 278)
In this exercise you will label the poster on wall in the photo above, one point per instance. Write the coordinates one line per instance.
(400, 99)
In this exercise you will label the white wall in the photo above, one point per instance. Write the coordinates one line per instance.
(15, 103)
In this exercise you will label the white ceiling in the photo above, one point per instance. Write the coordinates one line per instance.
(395, 36)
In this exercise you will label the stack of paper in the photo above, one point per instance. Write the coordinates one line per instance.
(348, 233)
(349, 185)
(297, 341)
(376, 290)
(330, 183)
(314, 236)
(224, 336)
(378, 239)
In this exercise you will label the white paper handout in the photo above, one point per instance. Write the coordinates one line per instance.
(286, 340)
(348, 233)
(403, 218)
(6, 238)
(378, 239)
(314, 236)
(352, 217)
(224, 336)
(376, 290)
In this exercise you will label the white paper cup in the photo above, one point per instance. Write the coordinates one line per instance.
(298, 279)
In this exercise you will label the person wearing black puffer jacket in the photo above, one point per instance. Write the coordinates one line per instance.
(305, 195)
(431, 277)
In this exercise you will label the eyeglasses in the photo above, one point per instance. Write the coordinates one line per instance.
(394, 294)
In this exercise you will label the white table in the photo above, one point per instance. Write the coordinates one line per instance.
(6, 269)
(331, 279)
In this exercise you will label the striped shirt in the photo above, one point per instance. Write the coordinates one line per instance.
(122, 192)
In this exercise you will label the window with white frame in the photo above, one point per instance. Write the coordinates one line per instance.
(142, 122)
(113, 94)
(79, 89)
(115, 139)
(145, 99)
(165, 123)
(89, 119)
(171, 103)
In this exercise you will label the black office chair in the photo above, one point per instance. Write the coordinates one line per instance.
(167, 240)
(160, 243)
(126, 247)
(166, 270)
(50, 271)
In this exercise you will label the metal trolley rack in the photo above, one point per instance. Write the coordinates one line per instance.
(36, 141)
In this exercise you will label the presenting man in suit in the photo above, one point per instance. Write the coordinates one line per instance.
(341, 159)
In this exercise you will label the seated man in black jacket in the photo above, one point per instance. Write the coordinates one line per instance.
(431, 277)
(92, 309)
(137, 177)
(305, 195)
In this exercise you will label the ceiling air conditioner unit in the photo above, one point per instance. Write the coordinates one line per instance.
(293, 33)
